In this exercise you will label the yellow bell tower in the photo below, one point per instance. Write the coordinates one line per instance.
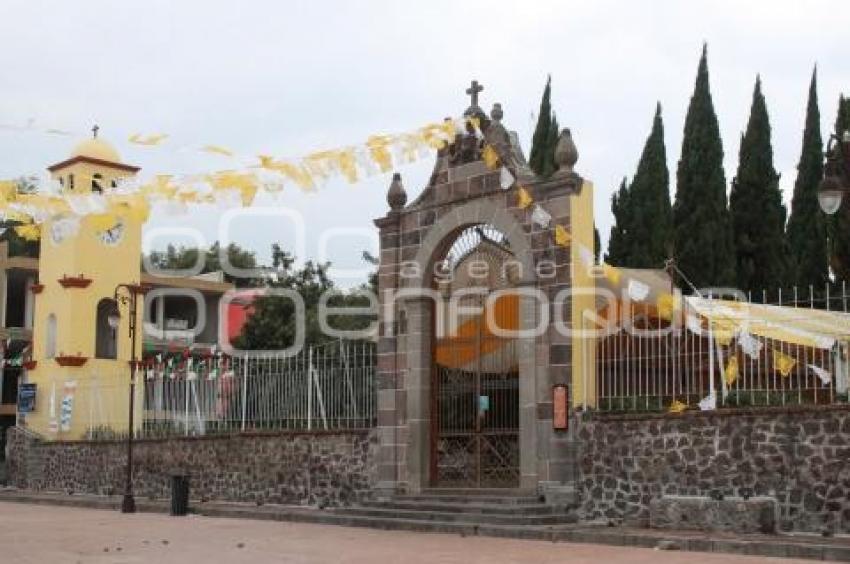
(81, 364)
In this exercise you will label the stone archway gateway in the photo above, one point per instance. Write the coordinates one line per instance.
(458, 404)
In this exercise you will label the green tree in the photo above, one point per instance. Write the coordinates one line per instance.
(806, 234)
(618, 242)
(542, 155)
(182, 258)
(274, 323)
(755, 204)
(702, 235)
(840, 222)
(651, 230)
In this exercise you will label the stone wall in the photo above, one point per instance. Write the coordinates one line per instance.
(800, 456)
(321, 468)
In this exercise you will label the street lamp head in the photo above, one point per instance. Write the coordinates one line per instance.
(829, 200)
(114, 318)
(836, 174)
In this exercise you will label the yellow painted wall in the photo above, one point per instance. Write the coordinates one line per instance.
(102, 384)
(584, 349)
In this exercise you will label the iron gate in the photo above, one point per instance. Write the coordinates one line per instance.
(475, 386)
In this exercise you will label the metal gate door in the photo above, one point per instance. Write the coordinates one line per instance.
(475, 393)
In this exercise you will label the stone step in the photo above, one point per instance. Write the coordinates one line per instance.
(471, 506)
(457, 517)
(448, 496)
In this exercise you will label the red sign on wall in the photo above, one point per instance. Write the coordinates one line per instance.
(560, 405)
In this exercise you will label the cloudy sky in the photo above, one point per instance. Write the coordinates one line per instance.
(288, 78)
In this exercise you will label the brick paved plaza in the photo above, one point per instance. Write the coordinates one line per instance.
(40, 534)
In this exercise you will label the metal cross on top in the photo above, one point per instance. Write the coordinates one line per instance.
(94, 131)
(473, 91)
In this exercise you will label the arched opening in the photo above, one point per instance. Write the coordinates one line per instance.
(475, 374)
(50, 337)
(106, 342)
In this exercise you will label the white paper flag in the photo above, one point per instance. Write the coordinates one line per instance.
(708, 403)
(750, 345)
(638, 291)
(541, 217)
(506, 179)
(824, 375)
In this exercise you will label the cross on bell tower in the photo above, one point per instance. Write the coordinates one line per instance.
(94, 131)
(473, 91)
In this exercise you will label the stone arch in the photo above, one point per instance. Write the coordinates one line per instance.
(476, 212)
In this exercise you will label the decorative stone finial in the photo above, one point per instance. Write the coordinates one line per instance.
(496, 114)
(396, 196)
(566, 154)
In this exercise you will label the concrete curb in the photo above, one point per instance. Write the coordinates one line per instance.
(782, 545)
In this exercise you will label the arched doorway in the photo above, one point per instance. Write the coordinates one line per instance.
(475, 367)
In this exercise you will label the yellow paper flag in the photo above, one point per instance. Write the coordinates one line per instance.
(562, 236)
(154, 139)
(523, 198)
(783, 363)
(490, 157)
(677, 407)
(379, 151)
(29, 232)
(217, 150)
(611, 273)
(666, 305)
(731, 372)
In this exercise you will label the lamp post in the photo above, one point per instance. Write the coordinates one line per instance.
(128, 297)
(836, 174)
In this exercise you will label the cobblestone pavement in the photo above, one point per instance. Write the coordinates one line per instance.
(44, 534)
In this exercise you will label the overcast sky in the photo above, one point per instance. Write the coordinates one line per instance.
(288, 78)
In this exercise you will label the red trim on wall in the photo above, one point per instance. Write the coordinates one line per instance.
(100, 162)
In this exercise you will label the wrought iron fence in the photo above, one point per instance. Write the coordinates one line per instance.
(652, 370)
(327, 387)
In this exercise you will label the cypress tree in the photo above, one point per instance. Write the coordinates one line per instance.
(549, 166)
(540, 142)
(840, 223)
(618, 242)
(806, 235)
(651, 233)
(702, 234)
(755, 205)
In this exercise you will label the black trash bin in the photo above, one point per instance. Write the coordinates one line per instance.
(179, 495)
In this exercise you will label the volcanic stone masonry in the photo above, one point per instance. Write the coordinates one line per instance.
(799, 456)
(321, 468)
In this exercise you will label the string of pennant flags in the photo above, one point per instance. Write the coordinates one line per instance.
(237, 185)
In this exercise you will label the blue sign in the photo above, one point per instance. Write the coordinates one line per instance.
(483, 403)
(26, 398)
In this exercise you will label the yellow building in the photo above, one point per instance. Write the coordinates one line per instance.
(62, 301)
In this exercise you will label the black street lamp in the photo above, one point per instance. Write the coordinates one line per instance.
(129, 297)
(836, 174)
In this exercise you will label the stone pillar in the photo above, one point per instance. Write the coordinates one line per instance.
(528, 443)
(391, 363)
(418, 386)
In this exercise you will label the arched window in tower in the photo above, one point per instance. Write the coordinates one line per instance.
(70, 181)
(50, 337)
(106, 342)
(95, 183)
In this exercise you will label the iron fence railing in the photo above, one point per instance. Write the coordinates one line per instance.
(327, 387)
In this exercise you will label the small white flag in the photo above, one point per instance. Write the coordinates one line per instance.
(506, 179)
(708, 403)
(638, 291)
(541, 217)
(824, 375)
(694, 324)
(750, 345)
